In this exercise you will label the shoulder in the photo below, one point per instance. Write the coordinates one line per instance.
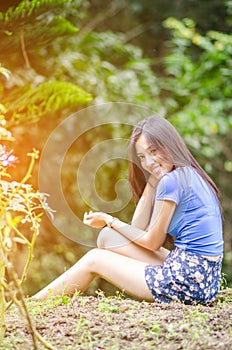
(174, 184)
(177, 176)
(167, 183)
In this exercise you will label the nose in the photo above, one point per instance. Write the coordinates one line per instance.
(149, 160)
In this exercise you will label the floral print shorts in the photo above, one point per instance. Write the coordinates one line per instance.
(185, 276)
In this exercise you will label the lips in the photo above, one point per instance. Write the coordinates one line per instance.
(156, 170)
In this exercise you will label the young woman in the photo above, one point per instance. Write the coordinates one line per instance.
(175, 197)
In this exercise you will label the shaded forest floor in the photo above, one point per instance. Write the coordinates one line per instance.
(115, 323)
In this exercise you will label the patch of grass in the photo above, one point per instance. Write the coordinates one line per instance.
(117, 322)
(83, 332)
(225, 295)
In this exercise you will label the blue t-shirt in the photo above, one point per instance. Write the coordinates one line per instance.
(196, 223)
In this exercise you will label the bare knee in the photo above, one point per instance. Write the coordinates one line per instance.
(90, 259)
(104, 237)
(94, 261)
(110, 239)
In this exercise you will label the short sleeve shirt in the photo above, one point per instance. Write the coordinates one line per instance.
(196, 223)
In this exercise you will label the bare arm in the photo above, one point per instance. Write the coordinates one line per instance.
(143, 211)
(151, 239)
(154, 237)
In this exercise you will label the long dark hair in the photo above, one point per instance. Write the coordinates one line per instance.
(161, 134)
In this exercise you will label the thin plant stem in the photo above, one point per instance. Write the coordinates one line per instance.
(29, 171)
(2, 294)
(24, 310)
(23, 48)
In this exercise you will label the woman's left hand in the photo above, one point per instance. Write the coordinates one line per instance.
(97, 219)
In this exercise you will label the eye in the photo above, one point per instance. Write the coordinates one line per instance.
(153, 151)
(141, 157)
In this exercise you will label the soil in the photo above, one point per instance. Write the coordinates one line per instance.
(118, 323)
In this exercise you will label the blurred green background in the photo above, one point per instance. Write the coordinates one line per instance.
(173, 58)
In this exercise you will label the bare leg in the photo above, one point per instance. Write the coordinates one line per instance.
(119, 261)
(112, 240)
(123, 272)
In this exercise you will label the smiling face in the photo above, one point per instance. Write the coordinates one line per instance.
(153, 160)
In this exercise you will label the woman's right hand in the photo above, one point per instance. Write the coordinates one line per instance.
(97, 219)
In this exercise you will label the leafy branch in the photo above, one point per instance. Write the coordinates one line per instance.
(20, 205)
(35, 102)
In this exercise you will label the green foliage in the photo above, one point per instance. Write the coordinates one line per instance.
(142, 20)
(26, 9)
(51, 62)
(33, 95)
(19, 26)
(108, 67)
(197, 94)
(199, 85)
(27, 96)
(29, 104)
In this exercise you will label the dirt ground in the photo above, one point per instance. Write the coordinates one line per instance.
(115, 323)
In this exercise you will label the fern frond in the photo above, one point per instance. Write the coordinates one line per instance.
(34, 103)
(25, 17)
(27, 8)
